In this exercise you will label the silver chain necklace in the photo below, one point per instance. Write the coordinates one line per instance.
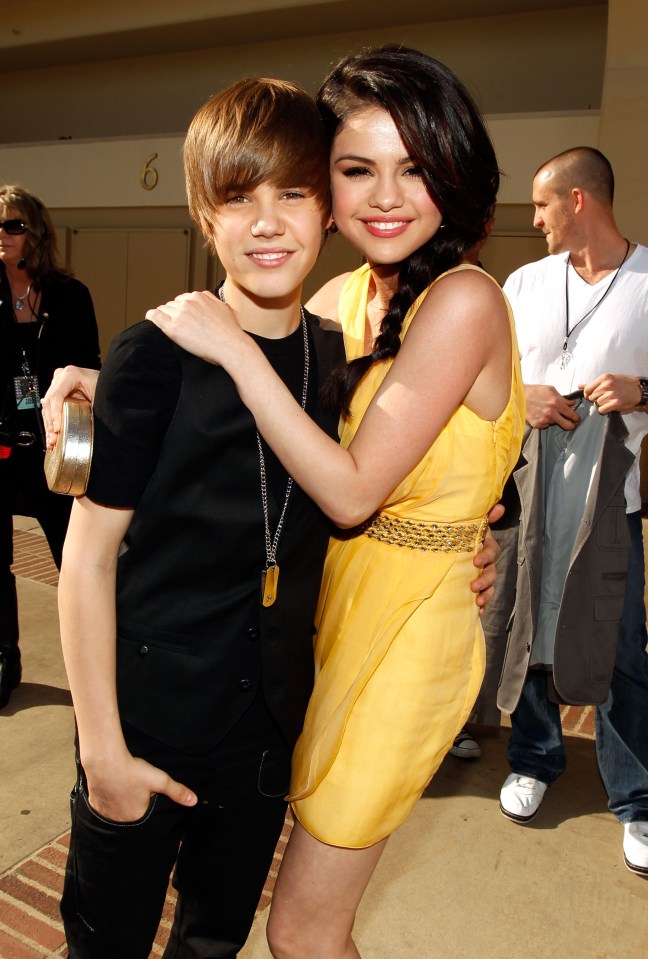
(270, 575)
(19, 302)
(566, 356)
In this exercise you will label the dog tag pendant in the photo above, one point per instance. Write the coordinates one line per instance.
(269, 581)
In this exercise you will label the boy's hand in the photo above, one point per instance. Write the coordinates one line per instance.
(72, 381)
(122, 792)
(485, 560)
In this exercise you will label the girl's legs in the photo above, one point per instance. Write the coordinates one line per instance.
(316, 897)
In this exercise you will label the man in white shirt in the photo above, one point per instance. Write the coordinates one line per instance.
(579, 312)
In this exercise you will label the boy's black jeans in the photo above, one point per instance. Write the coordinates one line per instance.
(117, 873)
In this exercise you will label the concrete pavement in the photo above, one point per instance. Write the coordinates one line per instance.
(457, 881)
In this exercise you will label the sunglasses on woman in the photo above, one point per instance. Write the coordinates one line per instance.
(13, 227)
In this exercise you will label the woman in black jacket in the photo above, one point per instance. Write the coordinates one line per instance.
(47, 320)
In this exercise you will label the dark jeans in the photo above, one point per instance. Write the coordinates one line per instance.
(23, 491)
(536, 745)
(117, 873)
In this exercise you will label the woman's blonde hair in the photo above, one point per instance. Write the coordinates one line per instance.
(41, 254)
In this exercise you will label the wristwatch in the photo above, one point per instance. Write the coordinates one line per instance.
(643, 386)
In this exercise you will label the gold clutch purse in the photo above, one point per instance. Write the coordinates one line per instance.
(67, 466)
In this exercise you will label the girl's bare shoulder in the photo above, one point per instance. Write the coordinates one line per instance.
(472, 290)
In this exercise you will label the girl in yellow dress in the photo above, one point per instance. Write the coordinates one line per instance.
(433, 414)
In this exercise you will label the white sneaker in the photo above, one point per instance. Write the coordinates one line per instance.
(635, 847)
(520, 797)
(465, 746)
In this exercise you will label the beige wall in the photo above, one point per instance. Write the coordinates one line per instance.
(99, 173)
(513, 64)
(624, 128)
(540, 88)
(108, 173)
(99, 185)
(547, 80)
(624, 113)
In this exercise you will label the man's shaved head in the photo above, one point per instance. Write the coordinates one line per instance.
(582, 167)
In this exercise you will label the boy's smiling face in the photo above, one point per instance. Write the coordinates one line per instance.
(268, 238)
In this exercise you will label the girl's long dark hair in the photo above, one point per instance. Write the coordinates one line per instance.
(445, 136)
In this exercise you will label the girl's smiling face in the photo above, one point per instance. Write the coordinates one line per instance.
(380, 201)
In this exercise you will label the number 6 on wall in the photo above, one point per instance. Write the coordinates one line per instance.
(148, 174)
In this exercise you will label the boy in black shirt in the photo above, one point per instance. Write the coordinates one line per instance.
(189, 677)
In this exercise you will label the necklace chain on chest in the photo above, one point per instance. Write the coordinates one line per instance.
(566, 356)
(19, 302)
(270, 575)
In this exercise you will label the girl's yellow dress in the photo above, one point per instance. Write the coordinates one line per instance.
(399, 650)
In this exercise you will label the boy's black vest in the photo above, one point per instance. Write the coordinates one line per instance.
(194, 642)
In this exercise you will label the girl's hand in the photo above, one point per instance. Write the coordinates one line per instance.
(201, 324)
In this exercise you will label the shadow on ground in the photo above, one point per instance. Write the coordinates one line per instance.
(29, 695)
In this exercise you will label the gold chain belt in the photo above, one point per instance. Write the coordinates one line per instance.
(434, 537)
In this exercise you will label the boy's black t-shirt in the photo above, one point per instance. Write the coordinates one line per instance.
(174, 443)
(137, 394)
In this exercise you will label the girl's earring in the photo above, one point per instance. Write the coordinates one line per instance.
(332, 228)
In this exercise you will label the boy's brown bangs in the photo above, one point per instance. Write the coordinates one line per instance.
(281, 163)
(256, 131)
